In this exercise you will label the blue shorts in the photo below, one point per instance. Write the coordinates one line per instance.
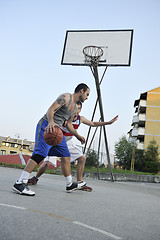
(43, 149)
(61, 150)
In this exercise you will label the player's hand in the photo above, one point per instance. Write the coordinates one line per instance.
(113, 120)
(81, 139)
(50, 127)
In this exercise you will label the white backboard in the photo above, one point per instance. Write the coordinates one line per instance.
(116, 45)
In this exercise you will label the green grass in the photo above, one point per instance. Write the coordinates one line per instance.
(106, 170)
(87, 169)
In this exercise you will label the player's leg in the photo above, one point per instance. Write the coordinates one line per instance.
(66, 170)
(41, 170)
(48, 161)
(66, 166)
(80, 167)
(61, 150)
(40, 151)
(76, 153)
(31, 164)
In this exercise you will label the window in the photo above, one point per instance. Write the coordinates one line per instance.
(3, 152)
(7, 144)
(14, 145)
(13, 152)
(25, 147)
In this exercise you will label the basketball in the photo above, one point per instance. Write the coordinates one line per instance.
(54, 138)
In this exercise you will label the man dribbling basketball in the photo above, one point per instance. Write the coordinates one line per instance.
(75, 151)
(60, 111)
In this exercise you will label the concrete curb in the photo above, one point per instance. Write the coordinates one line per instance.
(122, 177)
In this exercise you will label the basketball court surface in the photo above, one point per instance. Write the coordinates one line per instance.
(113, 210)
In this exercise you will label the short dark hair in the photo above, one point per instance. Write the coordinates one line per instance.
(81, 86)
(79, 103)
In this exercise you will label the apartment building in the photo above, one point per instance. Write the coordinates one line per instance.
(17, 151)
(10, 145)
(146, 121)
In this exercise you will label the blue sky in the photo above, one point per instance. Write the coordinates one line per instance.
(32, 34)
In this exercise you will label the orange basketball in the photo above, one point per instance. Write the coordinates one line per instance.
(53, 138)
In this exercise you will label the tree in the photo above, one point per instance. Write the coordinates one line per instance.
(92, 159)
(123, 151)
(145, 161)
(151, 158)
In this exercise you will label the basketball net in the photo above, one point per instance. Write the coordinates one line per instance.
(92, 55)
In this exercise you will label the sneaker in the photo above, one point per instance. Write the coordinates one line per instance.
(32, 181)
(86, 188)
(81, 185)
(72, 187)
(22, 188)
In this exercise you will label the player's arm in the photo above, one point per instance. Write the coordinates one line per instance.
(73, 131)
(97, 124)
(63, 99)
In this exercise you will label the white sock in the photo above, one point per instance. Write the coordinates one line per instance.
(24, 176)
(68, 180)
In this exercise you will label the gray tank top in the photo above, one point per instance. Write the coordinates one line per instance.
(62, 114)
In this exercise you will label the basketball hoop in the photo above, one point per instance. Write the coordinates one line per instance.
(92, 55)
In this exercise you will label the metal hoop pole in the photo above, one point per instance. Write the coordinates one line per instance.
(93, 110)
(102, 118)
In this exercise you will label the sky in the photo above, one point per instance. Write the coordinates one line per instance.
(32, 34)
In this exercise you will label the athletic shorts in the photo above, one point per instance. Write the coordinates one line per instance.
(75, 153)
(43, 149)
(74, 150)
(51, 159)
(61, 150)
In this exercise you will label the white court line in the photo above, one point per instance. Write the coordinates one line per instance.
(98, 230)
(12, 206)
(78, 223)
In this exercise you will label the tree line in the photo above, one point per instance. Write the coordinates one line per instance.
(127, 153)
(147, 160)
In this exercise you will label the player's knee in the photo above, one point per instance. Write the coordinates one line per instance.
(82, 159)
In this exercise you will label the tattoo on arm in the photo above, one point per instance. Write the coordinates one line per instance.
(61, 101)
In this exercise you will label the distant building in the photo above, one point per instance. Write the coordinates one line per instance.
(17, 151)
(146, 121)
(10, 145)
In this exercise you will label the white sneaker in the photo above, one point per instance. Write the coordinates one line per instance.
(22, 188)
(81, 184)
